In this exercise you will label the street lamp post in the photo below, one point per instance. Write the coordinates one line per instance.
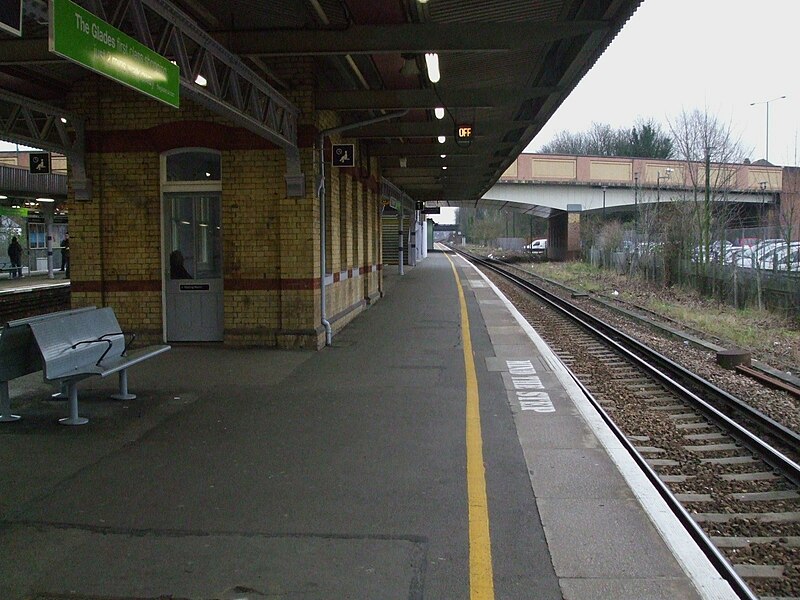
(636, 202)
(605, 187)
(766, 145)
(659, 178)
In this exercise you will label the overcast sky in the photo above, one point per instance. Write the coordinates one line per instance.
(718, 55)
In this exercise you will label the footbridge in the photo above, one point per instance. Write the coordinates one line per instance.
(563, 188)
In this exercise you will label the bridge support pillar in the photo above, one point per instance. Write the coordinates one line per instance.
(564, 235)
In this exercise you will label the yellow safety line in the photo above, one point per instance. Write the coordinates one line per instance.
(481, 578)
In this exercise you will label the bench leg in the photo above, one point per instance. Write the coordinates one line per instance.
(5, 404)
(123, 387)
(73, 419)
(61, 395)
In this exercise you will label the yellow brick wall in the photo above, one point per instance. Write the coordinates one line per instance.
(271, 256)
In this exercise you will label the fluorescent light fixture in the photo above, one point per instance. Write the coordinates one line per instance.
(444, 167)
(443, 155)
(422, 1)
(3, 197)
(200, 80)
(432, 62)
(184, 222)
(439, 112)
(441, 139)
(203, 224)
(45, 200)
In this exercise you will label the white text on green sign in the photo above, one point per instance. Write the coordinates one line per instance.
(80, 36)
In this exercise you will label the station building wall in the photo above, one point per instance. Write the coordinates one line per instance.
(271, 257)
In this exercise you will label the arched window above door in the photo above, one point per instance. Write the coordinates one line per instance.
(193, 165)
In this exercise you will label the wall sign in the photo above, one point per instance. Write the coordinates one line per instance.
(464, 133)
(39, 162)
(79, 36)
(11, 16)
(343, 155)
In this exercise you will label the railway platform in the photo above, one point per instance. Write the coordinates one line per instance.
(437, 450)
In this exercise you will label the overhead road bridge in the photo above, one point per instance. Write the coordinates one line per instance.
(563, 188)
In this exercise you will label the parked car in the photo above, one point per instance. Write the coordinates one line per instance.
(754, 256)
(776, 257)
(537, 245)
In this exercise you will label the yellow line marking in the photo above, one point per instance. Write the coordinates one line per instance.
(481, 577)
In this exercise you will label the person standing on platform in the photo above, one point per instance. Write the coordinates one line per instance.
(15, 255)
(65, 256)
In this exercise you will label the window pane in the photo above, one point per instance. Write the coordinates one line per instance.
(193, 166)
(181, 258)
(209, 262)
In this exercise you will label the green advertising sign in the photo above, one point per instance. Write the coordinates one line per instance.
(78, 35)
(13, 212)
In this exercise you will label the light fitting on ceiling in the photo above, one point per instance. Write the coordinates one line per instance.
(409, 68)
(442, 139)
(432, 62)
(439, 112)
(422, 1)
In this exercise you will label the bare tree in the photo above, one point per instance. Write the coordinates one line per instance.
(712, 154)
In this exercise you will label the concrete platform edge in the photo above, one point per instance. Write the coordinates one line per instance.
(708, 582)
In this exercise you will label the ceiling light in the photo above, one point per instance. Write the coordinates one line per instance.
(45, 200)
(444, 167)
(3, 197)
(441, 139)
(422, 1)
(200, 80)
(432, 62)
(63, 120)
(439, 112)
(15, 206)
(443, 155)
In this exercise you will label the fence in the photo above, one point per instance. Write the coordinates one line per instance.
(729, 283)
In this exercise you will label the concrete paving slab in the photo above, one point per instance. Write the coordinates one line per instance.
(604, 538)
(639, 589)
(575, 473)
(104, 563)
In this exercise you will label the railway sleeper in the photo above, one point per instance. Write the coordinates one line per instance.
(759, 571)
(716, 435)
(759, 476)
(745, 542)
(765, 517)
(713, 448)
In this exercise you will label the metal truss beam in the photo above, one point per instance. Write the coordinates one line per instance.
(40, 125)
(232, 89)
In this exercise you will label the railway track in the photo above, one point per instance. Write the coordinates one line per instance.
(713, 457)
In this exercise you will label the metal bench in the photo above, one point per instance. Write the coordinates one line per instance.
(68, 346)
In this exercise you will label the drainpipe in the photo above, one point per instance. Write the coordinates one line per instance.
(321, 194)
(400, 242)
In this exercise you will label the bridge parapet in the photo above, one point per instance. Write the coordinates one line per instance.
(640, 172)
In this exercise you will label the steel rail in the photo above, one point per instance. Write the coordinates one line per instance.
(770, 455)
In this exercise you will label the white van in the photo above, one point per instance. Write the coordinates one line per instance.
(537, 245)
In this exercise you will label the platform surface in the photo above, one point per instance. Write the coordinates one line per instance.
(258, 473)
